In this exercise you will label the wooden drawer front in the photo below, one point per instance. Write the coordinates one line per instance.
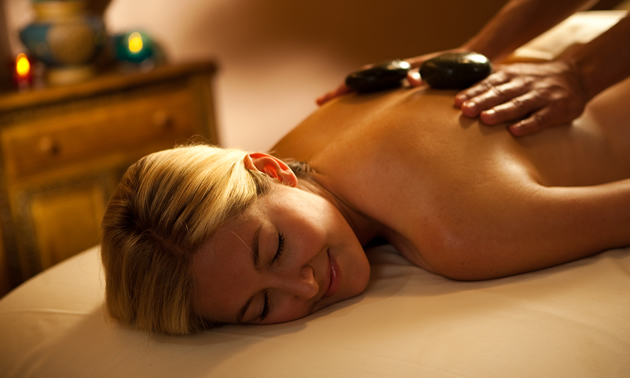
(67, 221)
(45, 144)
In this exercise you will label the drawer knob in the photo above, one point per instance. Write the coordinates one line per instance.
(162, 119)
(48, 146)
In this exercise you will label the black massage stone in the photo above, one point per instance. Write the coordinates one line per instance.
(455, 70)
(381, 76)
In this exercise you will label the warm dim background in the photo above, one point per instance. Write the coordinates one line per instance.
(276, 56)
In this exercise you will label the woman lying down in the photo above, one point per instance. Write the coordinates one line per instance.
(198, 236)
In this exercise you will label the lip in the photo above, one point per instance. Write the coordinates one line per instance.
(335, 277)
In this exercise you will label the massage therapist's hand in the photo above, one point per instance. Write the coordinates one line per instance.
(532, 95)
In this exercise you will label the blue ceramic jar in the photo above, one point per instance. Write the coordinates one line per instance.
(65, 38)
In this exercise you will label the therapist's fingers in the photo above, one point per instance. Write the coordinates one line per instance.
(560, 111)
(517, 107)
(536, 122)
(496, 95)
(540, 95)
(413, 76)
(482, 87)
(414, 79)
(339, 91)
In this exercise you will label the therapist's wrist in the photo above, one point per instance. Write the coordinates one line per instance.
(584, 74)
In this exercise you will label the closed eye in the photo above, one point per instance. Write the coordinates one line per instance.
(265, 311)
(280, 248)
(278, 254)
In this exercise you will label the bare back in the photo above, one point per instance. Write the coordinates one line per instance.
(435, 179)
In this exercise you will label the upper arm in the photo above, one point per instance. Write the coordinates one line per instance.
(531, 227)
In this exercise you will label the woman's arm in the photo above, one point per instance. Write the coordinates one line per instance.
(537, 227)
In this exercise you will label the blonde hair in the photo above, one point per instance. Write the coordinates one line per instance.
(166, 205)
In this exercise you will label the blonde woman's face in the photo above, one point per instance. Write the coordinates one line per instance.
(290, 254)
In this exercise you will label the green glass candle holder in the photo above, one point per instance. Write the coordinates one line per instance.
(133, 47)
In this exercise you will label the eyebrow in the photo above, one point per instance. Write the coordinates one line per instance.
(256, 262)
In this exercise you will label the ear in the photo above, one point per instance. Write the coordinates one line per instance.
(272, 167)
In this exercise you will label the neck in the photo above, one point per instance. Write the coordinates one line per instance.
(364, 227)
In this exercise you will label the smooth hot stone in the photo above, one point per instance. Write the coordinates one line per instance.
(381, 76)
(455, 70)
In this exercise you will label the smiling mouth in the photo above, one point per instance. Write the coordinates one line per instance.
(335, 277)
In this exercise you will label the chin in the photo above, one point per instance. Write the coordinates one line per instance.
(359, 277)
(361, 286)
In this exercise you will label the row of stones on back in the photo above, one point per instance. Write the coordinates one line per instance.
(446, 71)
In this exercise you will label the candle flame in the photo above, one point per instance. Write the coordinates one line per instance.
(135, 42)
(22, 65)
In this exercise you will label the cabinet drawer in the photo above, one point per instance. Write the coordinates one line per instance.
(49, 143)
(65, 220)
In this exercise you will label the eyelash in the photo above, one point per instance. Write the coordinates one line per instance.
(280, 248)
(278, 254)
(265, 311)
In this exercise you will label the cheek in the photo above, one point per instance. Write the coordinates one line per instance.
(288, 310)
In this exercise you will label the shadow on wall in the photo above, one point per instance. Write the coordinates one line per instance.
(362, 31)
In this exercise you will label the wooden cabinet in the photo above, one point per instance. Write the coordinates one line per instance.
(63, 151)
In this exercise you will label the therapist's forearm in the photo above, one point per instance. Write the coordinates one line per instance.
(605, 60)
(518, 22)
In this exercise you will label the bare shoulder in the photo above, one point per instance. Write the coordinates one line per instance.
(461, 226)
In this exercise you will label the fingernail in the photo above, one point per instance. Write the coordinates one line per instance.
(489, 115)
(470, 105)
(516, 130)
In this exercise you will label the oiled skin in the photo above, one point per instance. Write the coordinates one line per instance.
(466, 200)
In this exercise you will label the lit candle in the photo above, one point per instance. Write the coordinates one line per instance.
(22, 72)
(135, 42)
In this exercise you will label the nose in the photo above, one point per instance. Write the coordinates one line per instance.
(303, 285)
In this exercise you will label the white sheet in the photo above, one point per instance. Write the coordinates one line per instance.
(568, 321)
